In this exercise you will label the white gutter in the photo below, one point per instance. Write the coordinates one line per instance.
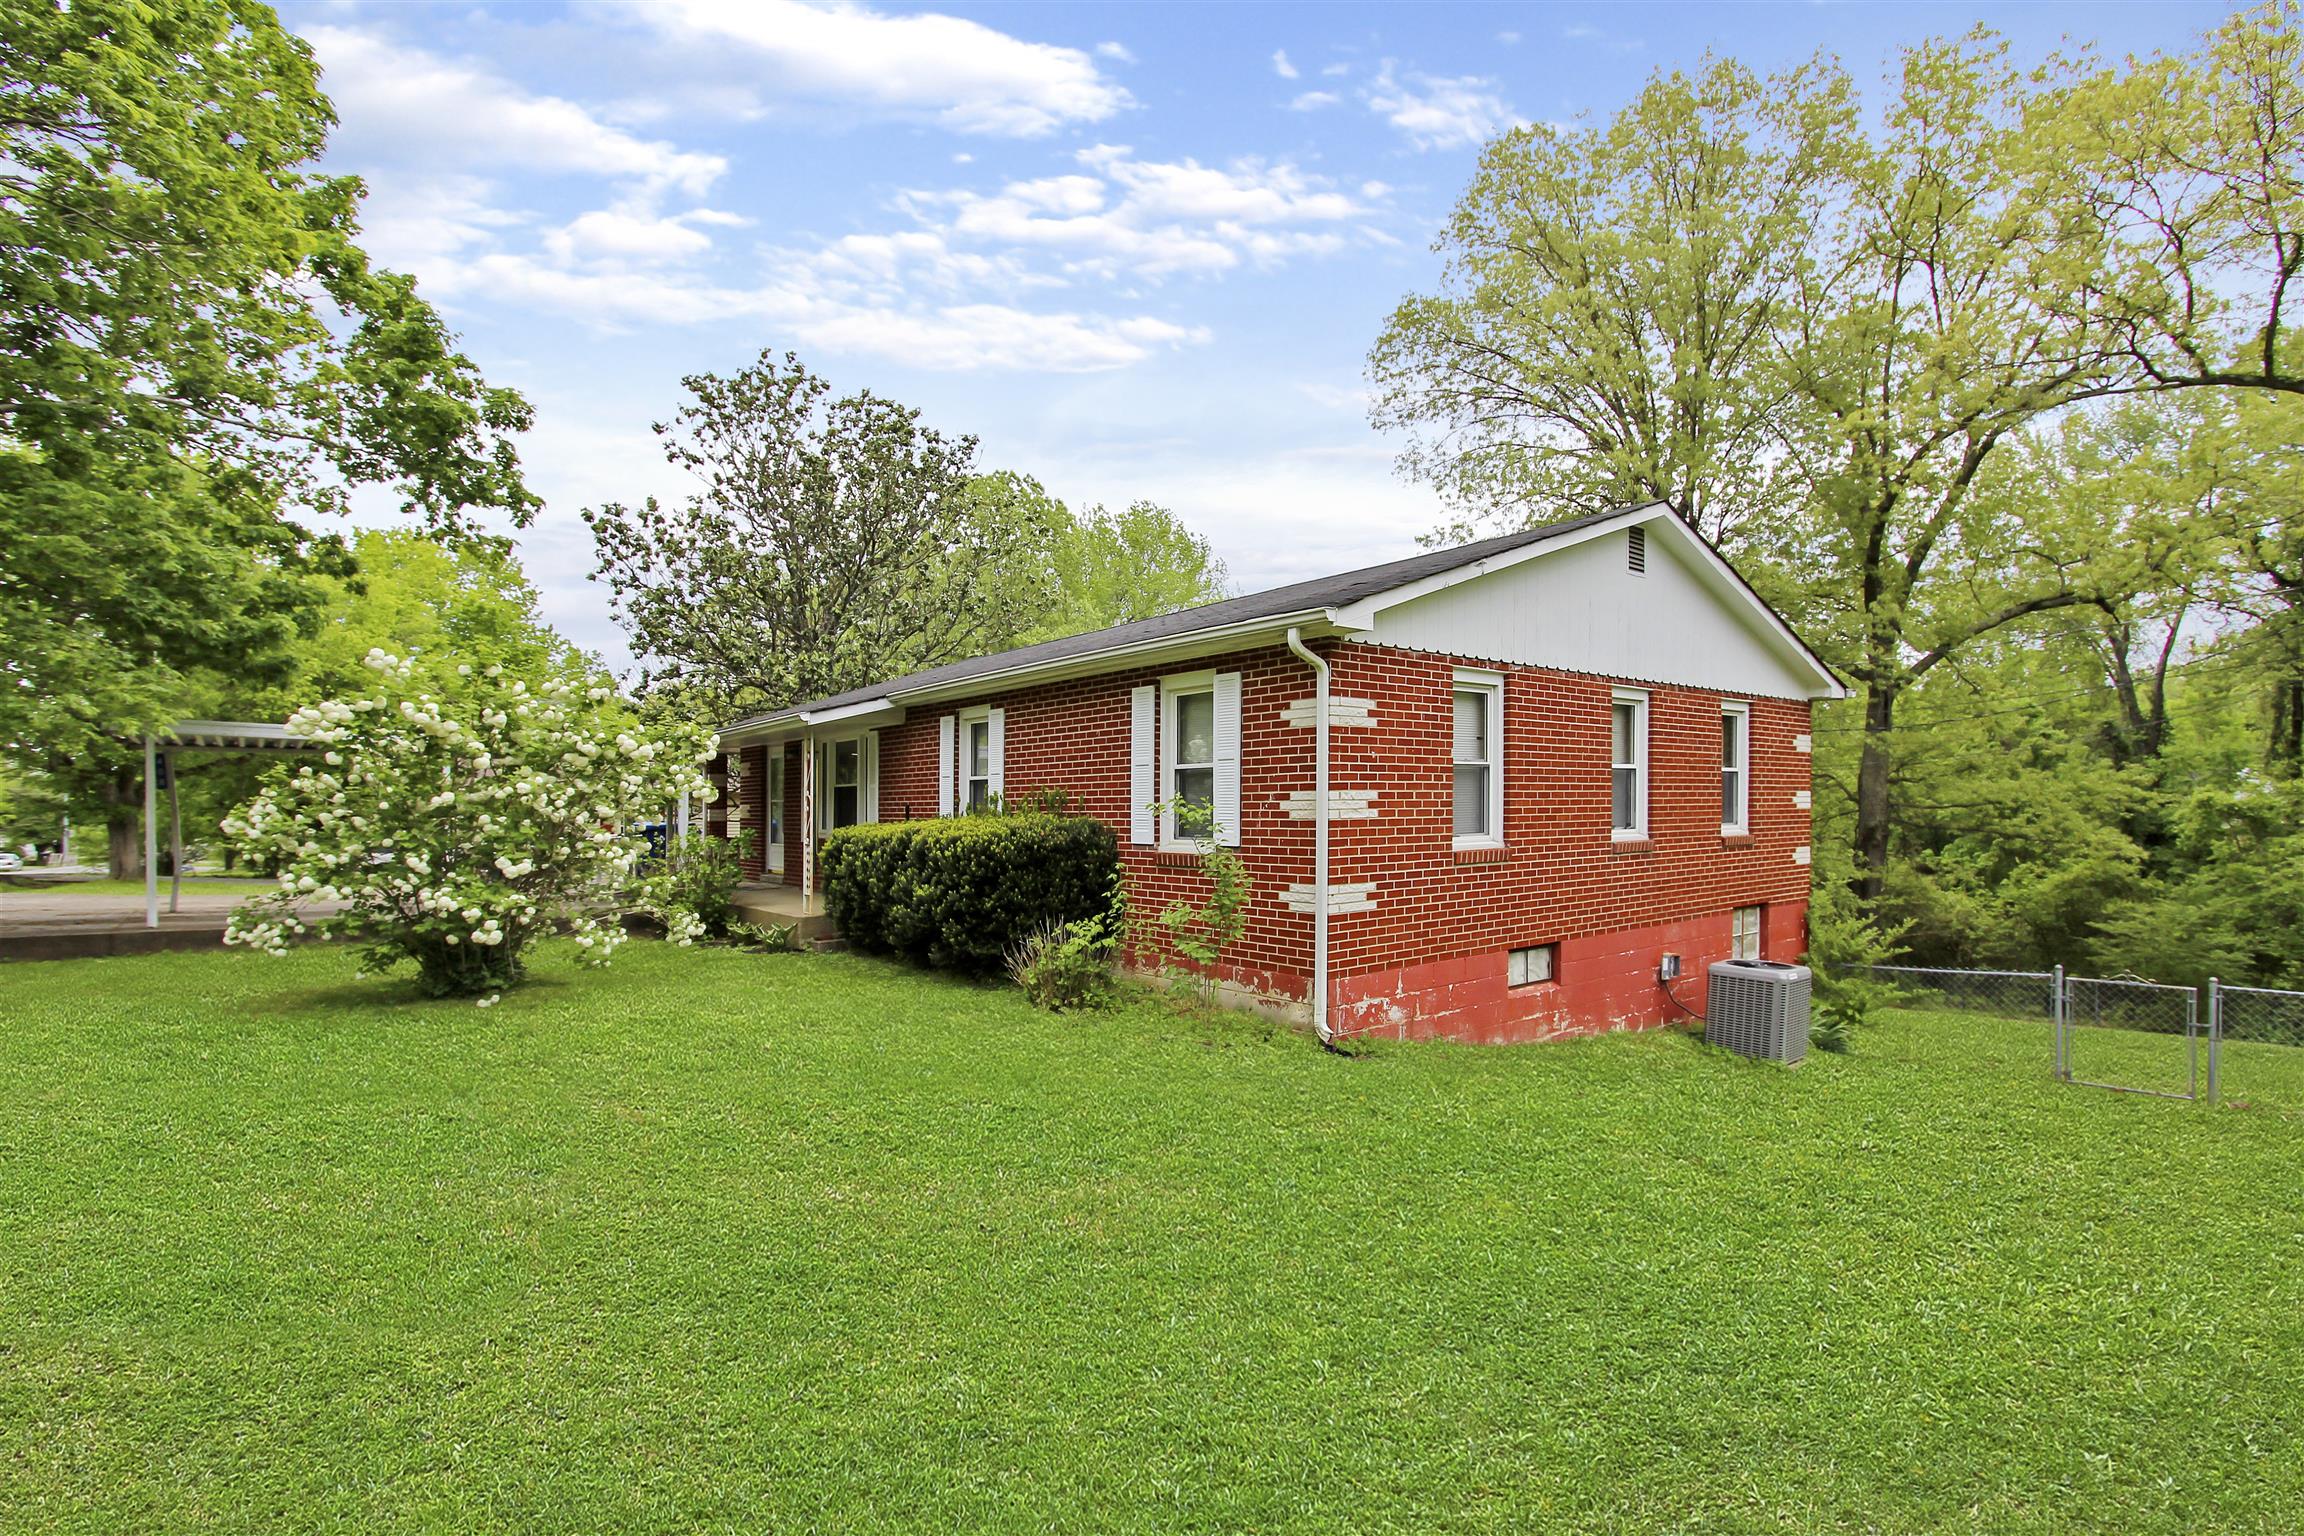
(1319, 833)
(1198, 642)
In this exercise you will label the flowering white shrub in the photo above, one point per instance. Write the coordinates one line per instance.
(456, 830)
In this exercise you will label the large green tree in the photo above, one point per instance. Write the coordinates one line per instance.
(830, 541)
(1872, 308)
(196, 352)
(1107, 568)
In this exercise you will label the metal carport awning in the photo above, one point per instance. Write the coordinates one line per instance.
(254, 736)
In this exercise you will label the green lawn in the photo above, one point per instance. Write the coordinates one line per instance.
(718, 1241)
(205, 885)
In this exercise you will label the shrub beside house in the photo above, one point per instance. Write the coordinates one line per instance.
(1554, 759)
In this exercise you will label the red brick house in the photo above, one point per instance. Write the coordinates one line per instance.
(1482, 793)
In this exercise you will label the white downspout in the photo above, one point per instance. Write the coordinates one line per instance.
(1319, 833)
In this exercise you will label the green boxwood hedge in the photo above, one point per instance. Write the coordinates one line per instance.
(957, 893)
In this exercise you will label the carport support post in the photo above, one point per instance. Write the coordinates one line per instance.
(175, 837)
(151, 834)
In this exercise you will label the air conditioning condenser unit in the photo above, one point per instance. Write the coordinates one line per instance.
(1758, 1008)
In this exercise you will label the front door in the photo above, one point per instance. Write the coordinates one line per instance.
(776, 810)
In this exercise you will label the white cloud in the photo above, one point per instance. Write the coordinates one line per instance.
(1313, 101)
(1614, 42)
(635, 234)
(1440, 112)
(957, 73)
(803, 304)
(1337, 397)
(1117, 52)
(410, 221)
(1150, 218)
(1336, 71)
(1281, 66)
(966, 280)
(419, 107)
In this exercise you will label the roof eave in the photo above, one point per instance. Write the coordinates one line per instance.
(784, 724)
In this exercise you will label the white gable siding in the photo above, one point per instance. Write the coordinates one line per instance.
(1582, 609)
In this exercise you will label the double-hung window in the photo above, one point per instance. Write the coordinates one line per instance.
(1477, 732)
(1735, 769)
(839, 783)
(976, 761)
(1191, 760)
(1628, 764)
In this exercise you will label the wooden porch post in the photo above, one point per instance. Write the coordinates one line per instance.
(807, 825)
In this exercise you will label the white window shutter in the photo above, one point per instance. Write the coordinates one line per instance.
(947, 731)
(1228, 758)
(868, 778)
(998, 732)
(1143, 706)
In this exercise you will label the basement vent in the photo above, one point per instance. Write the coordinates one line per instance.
(1636, 550)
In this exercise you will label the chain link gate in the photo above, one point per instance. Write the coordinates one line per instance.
(2124, 1034)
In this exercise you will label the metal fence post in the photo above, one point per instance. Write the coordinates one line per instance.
(2063, 1045)
(2215, 1040)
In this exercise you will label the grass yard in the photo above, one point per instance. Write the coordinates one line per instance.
(717, 1241)
(104, 885)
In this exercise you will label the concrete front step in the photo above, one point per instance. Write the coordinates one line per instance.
(778, 906)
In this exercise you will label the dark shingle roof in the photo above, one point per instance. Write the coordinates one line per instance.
(1304, 596)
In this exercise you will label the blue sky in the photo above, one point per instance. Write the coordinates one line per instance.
(1139, 251)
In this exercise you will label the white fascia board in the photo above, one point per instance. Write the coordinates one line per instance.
(1716, 573)
(867, 714)
(864, 712)
(1183, 647)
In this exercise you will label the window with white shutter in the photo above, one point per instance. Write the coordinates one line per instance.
(1143, 780)
(1200, 759)
(974, 788)
(947, 759)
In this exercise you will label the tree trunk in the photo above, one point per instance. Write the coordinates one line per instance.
(1873, 809)
(2287, 744)
(123, 824)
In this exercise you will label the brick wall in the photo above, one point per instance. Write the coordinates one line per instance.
(1074, 736)
(1444, 921)
(1430, 957)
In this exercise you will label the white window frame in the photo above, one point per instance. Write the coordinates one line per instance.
(1746, 923)
(1172, 692)
(1741, 823)
(962, 760)
(827, 760)
(1638, 699)
(1490, 684)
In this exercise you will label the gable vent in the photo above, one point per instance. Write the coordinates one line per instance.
(1636, 550)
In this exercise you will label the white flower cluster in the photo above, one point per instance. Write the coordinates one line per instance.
(454, 830)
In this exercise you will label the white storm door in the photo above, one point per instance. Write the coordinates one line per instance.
(775, 817)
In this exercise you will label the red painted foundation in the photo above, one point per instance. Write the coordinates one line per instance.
(1601, 982)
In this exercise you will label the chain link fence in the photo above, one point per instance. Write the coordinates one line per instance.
(2230, 1045)
(1995, 994)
